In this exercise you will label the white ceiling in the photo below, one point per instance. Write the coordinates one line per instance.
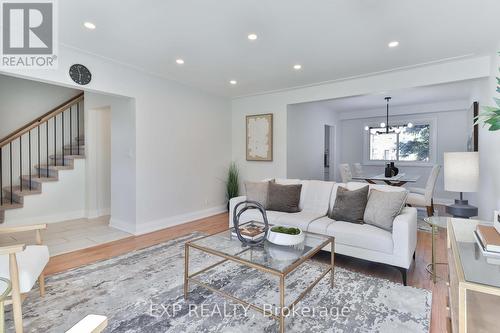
(468, 90)
(331, 39)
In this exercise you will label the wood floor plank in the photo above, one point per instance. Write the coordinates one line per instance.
(418, 276)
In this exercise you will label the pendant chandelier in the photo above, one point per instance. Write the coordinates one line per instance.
(388, 129)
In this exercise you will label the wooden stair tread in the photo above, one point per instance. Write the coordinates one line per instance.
(7, 205)
(42, 179)
(54, 167)
(69, 157)
(25, 191)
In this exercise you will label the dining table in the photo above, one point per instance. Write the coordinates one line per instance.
(398, 180)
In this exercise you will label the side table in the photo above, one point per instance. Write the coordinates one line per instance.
(435, 222)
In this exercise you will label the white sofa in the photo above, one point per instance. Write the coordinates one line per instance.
(364, 241)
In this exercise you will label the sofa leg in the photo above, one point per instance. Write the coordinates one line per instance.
(404, 273)
(414, 254)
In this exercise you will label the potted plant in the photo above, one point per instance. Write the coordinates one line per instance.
(232, 183)
(491, 114)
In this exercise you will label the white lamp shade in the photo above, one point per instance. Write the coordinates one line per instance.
(461, 172)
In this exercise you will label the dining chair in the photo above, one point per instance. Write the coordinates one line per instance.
(345, 172)
(23, 265)
(424, 197)
(357, 169)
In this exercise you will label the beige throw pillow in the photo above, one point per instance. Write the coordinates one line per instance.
(257, 191)
(383, 207)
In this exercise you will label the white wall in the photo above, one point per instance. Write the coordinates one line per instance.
(182, 140)
(451, 135)
(111, 189)
(306, 140)
(277, 102)
(60, 201)
(22, 101)
(489, 151)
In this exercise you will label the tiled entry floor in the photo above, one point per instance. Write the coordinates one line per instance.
(68, 236)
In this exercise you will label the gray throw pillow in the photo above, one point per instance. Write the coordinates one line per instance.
(257, 191)
(383, 207)
(284, 198)
(350, 205)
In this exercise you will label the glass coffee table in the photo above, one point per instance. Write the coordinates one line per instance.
(269, 258)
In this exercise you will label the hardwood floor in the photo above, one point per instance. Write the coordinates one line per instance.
(417, 277)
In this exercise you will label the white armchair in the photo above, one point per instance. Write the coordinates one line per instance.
(423, 197)
(23, 265)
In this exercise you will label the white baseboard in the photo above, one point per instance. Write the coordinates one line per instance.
(155, 225)
(92, 214)
(121, 225)
(47, 219)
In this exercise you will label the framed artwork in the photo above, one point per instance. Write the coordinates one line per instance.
(259, 132)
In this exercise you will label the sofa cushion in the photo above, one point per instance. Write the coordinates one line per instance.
(383, 207)
(284, 198)
(30, 263)
(350, 205)
(300, 220)
(315, 196)
(255, 215)
(364, 236)
(257, 191)
(320, 225)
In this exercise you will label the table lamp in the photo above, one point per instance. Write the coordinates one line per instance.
(461, 174)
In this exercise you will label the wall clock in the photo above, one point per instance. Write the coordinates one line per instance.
(80, 74)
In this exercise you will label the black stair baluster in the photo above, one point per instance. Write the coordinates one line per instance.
(38, 132)
(62, 130)
(55, 140)
(1, 178)
(29, 157)
(21, 161)
(78, 128)
(10, 171)
(71, 129)
(47, 146)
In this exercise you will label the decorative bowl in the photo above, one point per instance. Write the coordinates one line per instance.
(280, 238)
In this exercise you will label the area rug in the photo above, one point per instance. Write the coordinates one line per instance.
(142, 291)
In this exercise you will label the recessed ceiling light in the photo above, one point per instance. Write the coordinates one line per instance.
(297, 66)
(89, 25)
(179, 61)
(252, 36)
(233, 82)
(394, 43)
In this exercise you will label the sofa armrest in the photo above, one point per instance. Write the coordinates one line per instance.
(232, 203)
(404, 234)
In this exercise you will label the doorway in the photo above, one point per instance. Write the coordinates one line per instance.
(329, 153)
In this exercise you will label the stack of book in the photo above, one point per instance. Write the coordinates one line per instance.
(488, 240)
(250, 231)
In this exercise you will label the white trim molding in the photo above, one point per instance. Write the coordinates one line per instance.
(143, 228)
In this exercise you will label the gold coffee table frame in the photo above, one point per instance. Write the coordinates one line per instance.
(284, 310)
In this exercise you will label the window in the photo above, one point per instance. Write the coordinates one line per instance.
(410, 144)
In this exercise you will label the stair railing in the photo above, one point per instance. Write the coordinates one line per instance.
(40, 129)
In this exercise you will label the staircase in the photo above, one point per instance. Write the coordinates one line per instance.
(37, 152)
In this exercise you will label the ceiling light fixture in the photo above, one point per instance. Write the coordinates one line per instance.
(179, 61)
(394, 43)
(297, 66)
(233, 82)
(89, 25)
(252, 36)
(387, 128)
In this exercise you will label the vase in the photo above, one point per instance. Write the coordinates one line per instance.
(395, 170)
